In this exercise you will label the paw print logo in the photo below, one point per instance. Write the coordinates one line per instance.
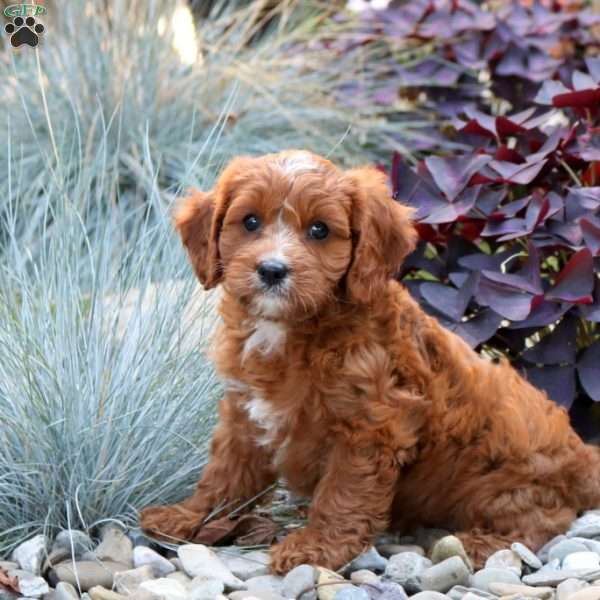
(24, 31)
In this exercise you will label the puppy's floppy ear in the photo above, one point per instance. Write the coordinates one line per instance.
(193, 219)
(383, 234)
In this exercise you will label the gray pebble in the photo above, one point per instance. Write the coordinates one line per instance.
(65, 591)
(429, 595)
(265, 583)
(88, 573)
(248, 565)
(458, 592)
(30, 586)
(564, 548)
(143, 556)
(405, 568)
(543, 552)
(387, 550)
(73, 541)
(351, 593)
(427, 537)
(115, 546)
(127, 582)
(370, 560)
(444, 575)
(553, 577)
(568, 587)
(364, 576)
(505, 559)
(385, 590)
(482, 579)
(205, 589)
(303, 577)
(30, 554)
(450, 546)
(586, 526)
(527, 556)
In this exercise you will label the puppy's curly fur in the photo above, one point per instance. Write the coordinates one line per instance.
(337, 381)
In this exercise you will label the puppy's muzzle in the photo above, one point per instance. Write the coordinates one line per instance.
(272, 272)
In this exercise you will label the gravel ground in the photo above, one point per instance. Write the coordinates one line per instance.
(430, 565)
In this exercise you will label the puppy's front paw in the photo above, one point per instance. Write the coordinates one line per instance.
(307, 546)
(171, 523)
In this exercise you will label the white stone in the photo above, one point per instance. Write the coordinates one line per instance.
(527, 556)
(200, 561)
(246, 566)
(165, 589)
(568, 587)
(505, 559)
(581, 560)
(30, 554)
(160, 566)
(445, 575)
(127, 582)
(205, 589)
(115, 546)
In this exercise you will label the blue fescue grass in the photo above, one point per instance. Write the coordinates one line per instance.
(106, 401)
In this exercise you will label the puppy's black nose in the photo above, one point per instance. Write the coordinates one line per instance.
(272, 272)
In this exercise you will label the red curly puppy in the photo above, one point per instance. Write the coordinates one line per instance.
(338, 382)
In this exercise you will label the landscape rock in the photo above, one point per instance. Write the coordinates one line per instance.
(446, 548)
(184, 579)
(370, 560)
(248, 565)
(364, 576)
(200, 561)
(143, 556)
(334, 583)
(581, 560)
(100, 593)
(387, 550)
(526, 555)
(568, 587)
(139, 538)
(165, 589)
(589, 593)
(8, 565)
(299, 579)
(505, 559)
(429, 595)
(405, 568)
(88, 573)
(127, 582)
(115, 546)
(30, 554)
(272, 584)
(72, 541)
(444, 575)
(247, 595)
(586, 526)
(564, 548)
(205, 589)
(351, 593)
(65, 591)
(458, 592)
(385, 590)
(543, 552)
(553, 577)
(481, 580)
(30, 586)
(514, 589)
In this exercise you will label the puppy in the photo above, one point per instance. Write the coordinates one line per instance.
(336, 380)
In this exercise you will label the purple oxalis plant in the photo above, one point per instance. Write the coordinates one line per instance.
(509, 256)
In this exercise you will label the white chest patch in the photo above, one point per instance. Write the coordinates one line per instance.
(265, 418)
(267, 337)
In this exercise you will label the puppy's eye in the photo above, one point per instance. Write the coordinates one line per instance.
(251, 222)
(318, 231)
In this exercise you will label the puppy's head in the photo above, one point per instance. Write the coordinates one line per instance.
(288, 233)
